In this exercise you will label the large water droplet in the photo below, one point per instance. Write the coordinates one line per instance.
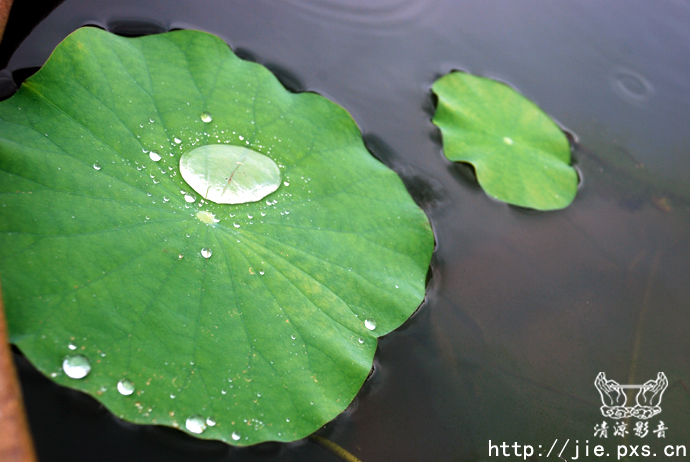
(154, 156)
(370, 324)
(206, 117)
(206, 252)
(235, 436)
(196, 424)
(228, 174)
(76, 367)
(125, 387)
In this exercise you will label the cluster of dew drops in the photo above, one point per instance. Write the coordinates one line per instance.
(190, 197)
(78, 366)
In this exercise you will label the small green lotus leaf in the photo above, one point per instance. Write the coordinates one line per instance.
(519, 154)
(195, 246)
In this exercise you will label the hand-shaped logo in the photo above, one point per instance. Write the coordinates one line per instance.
(614, 397)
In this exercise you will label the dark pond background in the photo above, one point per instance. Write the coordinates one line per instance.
(524, 308)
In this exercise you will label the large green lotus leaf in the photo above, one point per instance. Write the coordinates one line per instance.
(519, 154)
(246, 322)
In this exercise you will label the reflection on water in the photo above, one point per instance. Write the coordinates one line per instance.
(631, 86)
(374, 14)
(524, 309)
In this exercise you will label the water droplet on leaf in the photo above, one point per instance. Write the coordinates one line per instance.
(76, 367)
(206, 252)
(154, 156)
(235, 436)
(370, 324)
(227, 174)
(206, 117)
(125, 387)
(206, 217)
(196, 424)
(97, 166)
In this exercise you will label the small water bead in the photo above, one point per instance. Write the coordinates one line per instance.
(370, 324)
(166, 198)
(261, 272)
(196, 424)
(206, 117)
(507, 140)
(154, 156)
(206, 252)
(76, 367)
(206, 217)
(360, 340)
(72, 346)
(125, 387)
(210, 422)
(236, 224)
(180, 256)
(177, 140)
(96, 166)
(189, 198)
(235, 436)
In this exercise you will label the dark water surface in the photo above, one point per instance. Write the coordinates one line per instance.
(524, 308)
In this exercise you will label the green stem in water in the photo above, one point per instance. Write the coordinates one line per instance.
(334, 448)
